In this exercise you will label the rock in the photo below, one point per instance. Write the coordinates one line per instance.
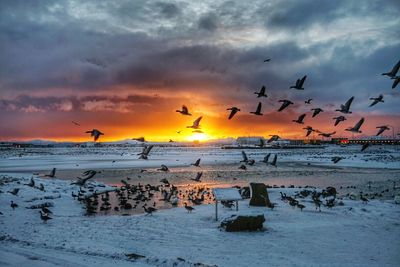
(237, 223)
(259, 195)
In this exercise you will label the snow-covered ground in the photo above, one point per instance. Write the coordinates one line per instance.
(354, 234)
(36, 159)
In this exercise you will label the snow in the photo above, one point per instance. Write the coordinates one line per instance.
(354, 234)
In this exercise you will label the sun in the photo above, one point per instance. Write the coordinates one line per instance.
(198, 137)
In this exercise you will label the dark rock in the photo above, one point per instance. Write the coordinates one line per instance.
(238, 223)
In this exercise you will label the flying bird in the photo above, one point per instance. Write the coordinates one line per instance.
(299, 83)
(196, 123)
(336, 159)
(382, 129)
(74, 122)
(262, 142)
(308, 101)
(339, 119)
(81, 181)
(364, 146)
(258, 111)
(266, 158)
(285, 104)
(309, 130)
(267, 60)
(145, 152)
(273, 163)
(198, 177)
(376, 100)
(261, 93)
(316, 111)
(394, 71)
(326, 134)
(245, 158)
(197, 163)
(273, 138)
(356, 128)
(233, 110)
(346, 107)
(300, 119)
(95, 133)
(184, 111)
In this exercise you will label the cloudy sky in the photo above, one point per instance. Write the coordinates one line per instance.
(124, 67)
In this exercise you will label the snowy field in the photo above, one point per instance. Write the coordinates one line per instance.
(352, 234)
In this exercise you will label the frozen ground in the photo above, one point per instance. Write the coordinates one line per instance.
(355, 234)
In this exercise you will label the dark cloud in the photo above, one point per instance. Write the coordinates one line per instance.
(208, 22)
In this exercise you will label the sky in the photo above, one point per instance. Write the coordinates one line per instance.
(124, 67)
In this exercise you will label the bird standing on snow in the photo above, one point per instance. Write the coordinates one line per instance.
(188, 208)
(163, 168)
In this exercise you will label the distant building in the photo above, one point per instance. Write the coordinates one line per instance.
(249, 140)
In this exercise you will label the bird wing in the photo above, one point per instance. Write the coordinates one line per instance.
(301, 117)
(262, 91)
(274, 160)
(395, 68)
(303, 80)
(197, 122)
(258, 107)
(185, 109)
(396, 82)
(147, 149)
(348, 103)
(358, 125)
(244, 156)
(233, 112)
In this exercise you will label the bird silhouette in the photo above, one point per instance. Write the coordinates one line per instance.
(81, 181)
(394, 71)
(95, 133)
(300, 119)
(339, 119)
(356, 128)
(52, 173)
(145, 152)
(258, 110)
(163, 168)
(326, 134)
(285, 104)
(376, 100)
(364, 146)
(267, 60)
(74, 122)
(261, 93)
(299, 83)
(336, 159)
(196, 123)
(197, 163)
(273, 138)
(184, 111)
(346, 107)
(316, 111)
(309, 130)
(266, 158)
(396, 81)
(233, 110)
(198, 177)
(382, 129)
(274, 160)
(245, 158)
(308, 101)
